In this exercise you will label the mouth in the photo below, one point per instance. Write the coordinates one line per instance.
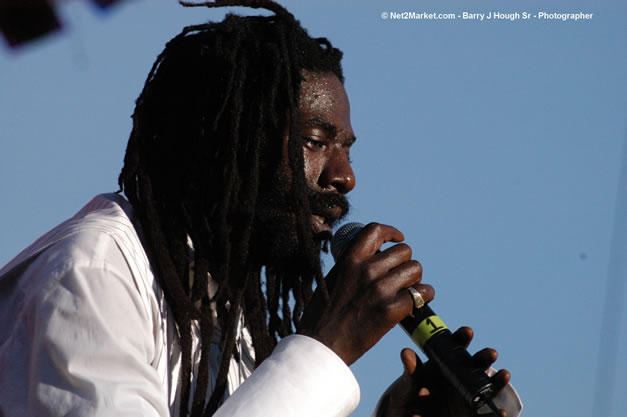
(322, 222)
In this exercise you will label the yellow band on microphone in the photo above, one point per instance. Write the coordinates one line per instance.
(427, 328)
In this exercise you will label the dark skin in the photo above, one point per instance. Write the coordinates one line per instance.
(373, 282)
(421, 392)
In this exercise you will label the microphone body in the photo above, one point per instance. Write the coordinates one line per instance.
(434, 338)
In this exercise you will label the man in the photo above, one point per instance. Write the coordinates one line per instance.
(163, 303)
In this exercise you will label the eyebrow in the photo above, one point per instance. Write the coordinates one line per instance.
(330, 128)
(324, 124)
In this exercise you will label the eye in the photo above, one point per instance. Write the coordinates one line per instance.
(313, 143)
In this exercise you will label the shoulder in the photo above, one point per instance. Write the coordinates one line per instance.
(97, 251)
(103, 226)
(81, 304)
(102, 231)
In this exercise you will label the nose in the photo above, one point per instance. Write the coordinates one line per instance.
(338, 173)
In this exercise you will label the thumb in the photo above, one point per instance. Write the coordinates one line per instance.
(415, 374)
(410, 361)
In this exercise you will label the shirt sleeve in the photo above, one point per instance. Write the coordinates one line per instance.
(301, 378)
(82, 344)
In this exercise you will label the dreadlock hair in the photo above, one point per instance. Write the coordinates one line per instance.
(207, 129)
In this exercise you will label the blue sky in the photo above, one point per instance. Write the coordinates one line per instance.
(497, 147)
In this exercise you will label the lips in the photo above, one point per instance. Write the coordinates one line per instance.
(322, 222)
(326, 208)
(318, 225)
(319, 219)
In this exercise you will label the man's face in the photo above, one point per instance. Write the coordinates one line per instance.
(327, 137)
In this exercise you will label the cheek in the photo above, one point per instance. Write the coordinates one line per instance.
(313, 163)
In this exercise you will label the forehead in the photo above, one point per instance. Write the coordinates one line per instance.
(322, 96)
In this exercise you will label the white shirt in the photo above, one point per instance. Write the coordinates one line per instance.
(86, 331)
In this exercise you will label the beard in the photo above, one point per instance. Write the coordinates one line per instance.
(275, 237)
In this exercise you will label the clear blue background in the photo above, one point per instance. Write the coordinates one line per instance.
(497, 147)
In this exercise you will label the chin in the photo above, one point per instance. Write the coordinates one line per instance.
(278, 247)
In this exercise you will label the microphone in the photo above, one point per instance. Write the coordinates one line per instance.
(434, 338)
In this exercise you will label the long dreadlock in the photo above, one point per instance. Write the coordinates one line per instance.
(207, 130)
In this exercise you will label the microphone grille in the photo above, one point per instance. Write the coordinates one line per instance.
(344, 235)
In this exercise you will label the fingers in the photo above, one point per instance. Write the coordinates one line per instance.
(426, 292)
(404, 301)
(394, 287)
(414, 373)
(370, 239)
(388, 272)
(410, 361)
(501, 379)
(463, 336)
(391, 258)
(417, 377)
(371, 288)
(485, 357)
(408, 274)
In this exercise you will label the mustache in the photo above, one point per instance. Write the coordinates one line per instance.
(320, 201)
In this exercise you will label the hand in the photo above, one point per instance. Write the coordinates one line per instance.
(368, 293)
(422, 392)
